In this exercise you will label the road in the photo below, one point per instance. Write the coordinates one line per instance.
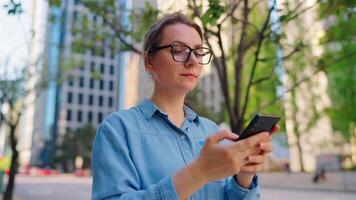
(72, 188)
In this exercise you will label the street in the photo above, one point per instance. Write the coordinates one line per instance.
(74, 188)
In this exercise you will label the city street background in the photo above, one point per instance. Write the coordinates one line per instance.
(274, 186)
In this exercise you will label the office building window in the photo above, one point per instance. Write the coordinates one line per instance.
(92, 83)
(101, 84)
(79, 116)
(101, 99)
(95, 18)
(90, 116)
(75, 16)
(81, 82)
(100, 117)
(92, 67)
(91, 99)
(110, 102)
(69, 115)
(69, 97)
(80, 99)
(70, 82)
(112, 54)
(112, 69)
(111, 85)
(102, 68)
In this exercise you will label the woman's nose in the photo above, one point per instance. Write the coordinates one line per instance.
(192, 60)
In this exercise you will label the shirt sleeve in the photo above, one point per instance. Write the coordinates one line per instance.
(114, 173)
(232, 190)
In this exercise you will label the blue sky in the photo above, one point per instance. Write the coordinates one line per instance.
(14, 36)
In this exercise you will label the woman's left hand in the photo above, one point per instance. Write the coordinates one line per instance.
(256, 161)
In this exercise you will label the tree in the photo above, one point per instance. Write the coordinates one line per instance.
(342, 74)
(339, 41)
(245, 40)
(12, 104)
(77, 143)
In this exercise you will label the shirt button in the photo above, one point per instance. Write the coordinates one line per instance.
(182, 137)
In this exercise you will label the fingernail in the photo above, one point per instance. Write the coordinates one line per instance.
(235, 135)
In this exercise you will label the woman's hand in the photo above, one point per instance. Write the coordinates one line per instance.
(255, 162)
(217, 161)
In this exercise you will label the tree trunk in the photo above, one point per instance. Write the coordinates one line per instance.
(300, 155)
(13, 167)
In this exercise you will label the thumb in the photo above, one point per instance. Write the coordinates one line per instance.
(221, 135)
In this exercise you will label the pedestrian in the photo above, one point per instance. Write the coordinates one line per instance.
(160, 148)
(320, 175)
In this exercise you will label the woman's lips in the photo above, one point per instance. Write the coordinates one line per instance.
(189, 75)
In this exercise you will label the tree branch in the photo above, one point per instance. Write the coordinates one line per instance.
(117, 31)
(265, 25)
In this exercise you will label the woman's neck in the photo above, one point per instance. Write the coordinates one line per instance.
(171, 104)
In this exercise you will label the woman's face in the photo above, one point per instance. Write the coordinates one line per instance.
(180, 77)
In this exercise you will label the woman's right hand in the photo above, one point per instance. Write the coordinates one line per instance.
(217, 161)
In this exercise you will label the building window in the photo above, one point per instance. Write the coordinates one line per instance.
(69, 97)
(111, 85)
(102, 68)
(101, 84)
(79, 116)
(100, 117)
(80, 99)
(112, 69)
(110, 102)
(70, 82)
(112, 54)
(81, 82)
(101, 99)
(75, 16)
(91, 99)
(69, 115)
(90, 116)
(92, 67)
(92, 83)
(95, 18)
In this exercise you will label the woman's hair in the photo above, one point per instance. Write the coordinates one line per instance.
(154, 35)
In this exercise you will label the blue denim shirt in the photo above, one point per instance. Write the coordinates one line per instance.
(136, 153)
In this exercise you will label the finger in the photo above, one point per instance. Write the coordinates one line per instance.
(256, 159)
(266, 147)
(221, 135)
(253, 168)
(253, 140)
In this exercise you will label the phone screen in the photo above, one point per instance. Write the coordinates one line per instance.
(259, 123)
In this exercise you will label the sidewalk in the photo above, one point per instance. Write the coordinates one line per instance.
(335, 181)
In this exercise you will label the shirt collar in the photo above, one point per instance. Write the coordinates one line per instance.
(148, 109)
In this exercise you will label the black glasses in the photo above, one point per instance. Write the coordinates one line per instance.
(181, 53)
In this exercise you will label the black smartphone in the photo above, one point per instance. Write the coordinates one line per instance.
(259, 123)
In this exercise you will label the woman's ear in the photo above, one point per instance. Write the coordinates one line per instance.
(148, 63)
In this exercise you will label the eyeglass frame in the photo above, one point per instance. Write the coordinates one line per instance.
(158, 48)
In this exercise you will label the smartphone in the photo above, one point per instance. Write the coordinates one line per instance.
(260, 123)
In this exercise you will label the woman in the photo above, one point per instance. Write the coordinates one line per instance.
(160, 149)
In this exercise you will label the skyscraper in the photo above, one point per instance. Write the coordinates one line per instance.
(91, 89)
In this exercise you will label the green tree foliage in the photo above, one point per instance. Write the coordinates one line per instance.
(340, 56)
